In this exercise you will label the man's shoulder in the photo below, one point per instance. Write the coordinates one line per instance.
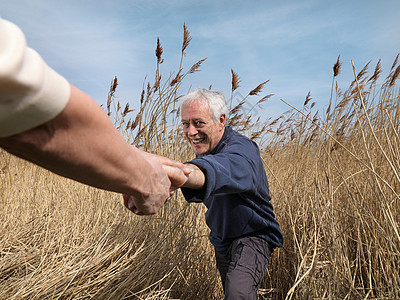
(236, 141)
(236, 137)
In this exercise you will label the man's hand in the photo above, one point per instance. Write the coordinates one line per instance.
(177, 172)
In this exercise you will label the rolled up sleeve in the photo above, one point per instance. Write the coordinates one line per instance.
(31, 93)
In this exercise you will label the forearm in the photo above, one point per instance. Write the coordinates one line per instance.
(196, 179)
(82, 143)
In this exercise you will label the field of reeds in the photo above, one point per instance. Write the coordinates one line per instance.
(334, 179)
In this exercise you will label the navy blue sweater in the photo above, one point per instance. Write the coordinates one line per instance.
(236, 193)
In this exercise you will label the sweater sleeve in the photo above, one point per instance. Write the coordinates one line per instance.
(228, 173)
(31, 93)
(231, 172)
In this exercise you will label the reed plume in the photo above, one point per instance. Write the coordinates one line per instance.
(159, 51)
(235, 80)
(196, 66)
(395, 76)
(336, 67)
(377, 73)
(258, 89)
(186, 38)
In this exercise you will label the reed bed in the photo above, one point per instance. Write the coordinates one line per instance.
(334, 180)
(337, 195)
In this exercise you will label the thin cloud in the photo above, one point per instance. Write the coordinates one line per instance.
(294, 44)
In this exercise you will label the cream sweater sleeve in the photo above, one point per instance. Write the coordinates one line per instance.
(31, 93)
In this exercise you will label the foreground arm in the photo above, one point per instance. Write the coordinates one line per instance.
(82, 143)
(48, 122)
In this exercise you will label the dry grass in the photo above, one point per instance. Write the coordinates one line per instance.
(335, 185)
(61, 239)
(334, 180)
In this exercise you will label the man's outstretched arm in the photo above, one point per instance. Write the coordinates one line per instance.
(196, 179)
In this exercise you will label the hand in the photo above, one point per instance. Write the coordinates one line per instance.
(129, 202)
(177, 172)
(158, 187)
(168, 162)
(176, 176)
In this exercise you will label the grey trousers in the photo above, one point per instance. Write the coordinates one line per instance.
(243, 267)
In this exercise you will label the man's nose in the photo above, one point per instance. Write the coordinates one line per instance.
(192, 130)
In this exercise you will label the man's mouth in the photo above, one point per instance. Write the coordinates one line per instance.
(198, 141)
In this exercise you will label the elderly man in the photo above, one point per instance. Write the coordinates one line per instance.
(229, 178)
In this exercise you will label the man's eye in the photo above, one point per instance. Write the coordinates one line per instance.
(185, 124)
(199, 124)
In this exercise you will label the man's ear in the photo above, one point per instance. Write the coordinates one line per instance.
(222, 119)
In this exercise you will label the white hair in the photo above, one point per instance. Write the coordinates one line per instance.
(213, 99)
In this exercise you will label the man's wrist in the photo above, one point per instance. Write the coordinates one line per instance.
(196, 178)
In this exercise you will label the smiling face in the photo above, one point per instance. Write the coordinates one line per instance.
(200, 128)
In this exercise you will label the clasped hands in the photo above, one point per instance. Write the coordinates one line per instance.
(169, 175)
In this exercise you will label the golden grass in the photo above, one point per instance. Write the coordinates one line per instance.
(61, 239)
(334, 180)
(337, 198)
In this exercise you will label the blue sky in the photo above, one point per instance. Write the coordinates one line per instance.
(293, 44)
